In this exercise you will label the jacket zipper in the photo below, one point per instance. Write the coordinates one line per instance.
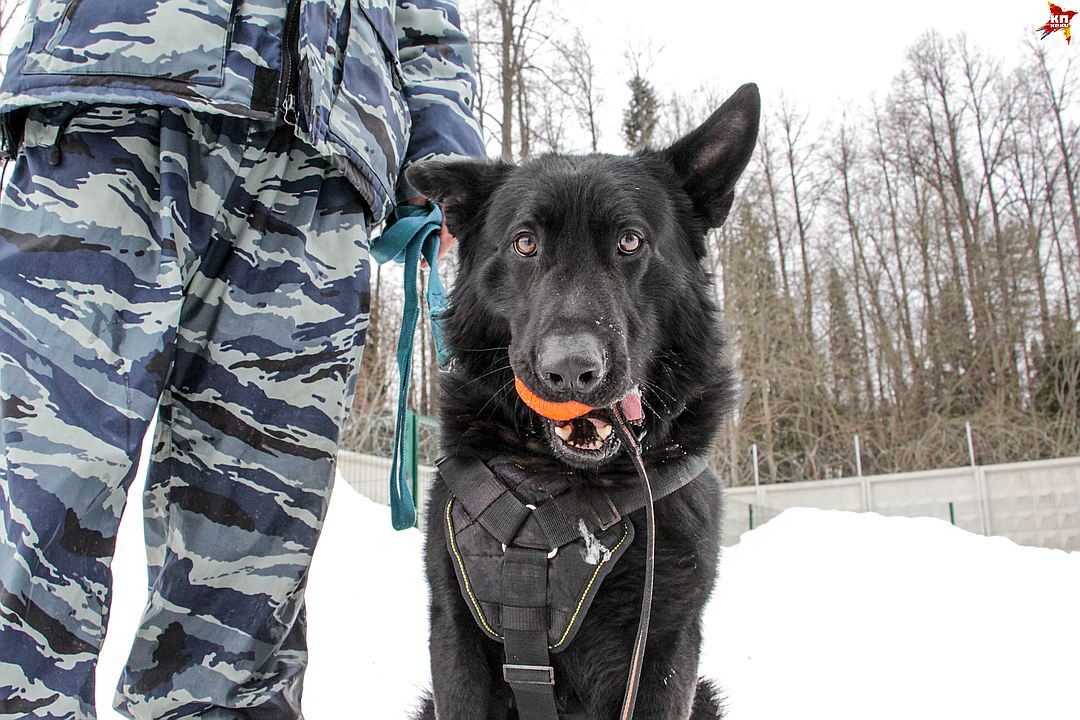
(61, 26)
(397, 79)
(289, 67)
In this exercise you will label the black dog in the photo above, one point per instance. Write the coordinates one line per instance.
(583, 277)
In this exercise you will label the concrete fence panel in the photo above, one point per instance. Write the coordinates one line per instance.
(1033, 503)
(951, 495)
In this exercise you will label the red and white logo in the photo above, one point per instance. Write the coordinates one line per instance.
(1059, 20)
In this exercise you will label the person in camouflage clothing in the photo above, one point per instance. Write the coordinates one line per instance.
(185, 229)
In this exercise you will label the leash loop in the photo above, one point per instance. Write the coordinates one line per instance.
(414, 234)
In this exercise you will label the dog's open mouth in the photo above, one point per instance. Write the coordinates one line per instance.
(592, 437)
(588, 433)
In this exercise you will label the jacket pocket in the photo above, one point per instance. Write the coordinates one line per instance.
(368, 113)
(351, 107)
(178, 40)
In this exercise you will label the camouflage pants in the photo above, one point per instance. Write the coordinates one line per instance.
(220, 266)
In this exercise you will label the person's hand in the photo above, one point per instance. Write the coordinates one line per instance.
(446, 240)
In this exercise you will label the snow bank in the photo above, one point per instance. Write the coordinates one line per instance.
(825, 614)
(819, 614)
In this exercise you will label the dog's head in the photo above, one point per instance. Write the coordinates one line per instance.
(586, 273)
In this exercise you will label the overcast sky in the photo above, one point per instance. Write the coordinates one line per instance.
(822, 55)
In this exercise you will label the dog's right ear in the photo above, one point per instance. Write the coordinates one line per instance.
(461, 187)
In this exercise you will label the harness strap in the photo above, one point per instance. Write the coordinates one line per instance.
(486, 500)
(555, 522)
(528, 668)
(666, 477)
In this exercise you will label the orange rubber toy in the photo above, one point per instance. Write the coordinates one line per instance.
(558, 411)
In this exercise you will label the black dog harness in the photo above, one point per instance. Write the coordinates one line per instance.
(530, 554)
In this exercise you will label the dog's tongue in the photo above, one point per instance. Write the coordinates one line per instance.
(631, 407)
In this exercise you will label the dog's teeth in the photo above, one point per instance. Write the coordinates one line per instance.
(564, 431)
(604, 431)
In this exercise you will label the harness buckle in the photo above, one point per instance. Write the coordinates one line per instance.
(529, 674)
(605, 510)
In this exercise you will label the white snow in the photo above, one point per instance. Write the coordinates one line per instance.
(818, 614)
(827, 614)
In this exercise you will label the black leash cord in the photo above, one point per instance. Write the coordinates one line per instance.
(636, 660)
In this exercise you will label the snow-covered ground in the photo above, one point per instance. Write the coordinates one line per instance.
(818, 614)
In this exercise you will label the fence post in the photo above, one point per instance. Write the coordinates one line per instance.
(858, 456)
(952, 513)
(970, 444)
(759, 492)
(980, 483)
(757, 477)
(751, 506)
(984, 500)
(864, 483)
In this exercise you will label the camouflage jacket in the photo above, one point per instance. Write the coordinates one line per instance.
(374, 84)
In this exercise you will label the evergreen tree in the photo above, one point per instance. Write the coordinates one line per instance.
(640, 117)
(1057, 372)
(843, 343)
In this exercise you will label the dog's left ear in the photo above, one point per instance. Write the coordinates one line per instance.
(711, 158)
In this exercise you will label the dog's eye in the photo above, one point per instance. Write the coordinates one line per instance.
(525, 245)
(629, 243)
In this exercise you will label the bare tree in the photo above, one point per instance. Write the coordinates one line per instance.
(1058, 93)
(798, 158)
(949, 298)
(518, 34)
(11, 15)
(578, 84)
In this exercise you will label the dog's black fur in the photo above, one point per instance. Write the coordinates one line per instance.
(654, 315)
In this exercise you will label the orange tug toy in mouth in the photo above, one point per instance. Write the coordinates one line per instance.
(587, 433)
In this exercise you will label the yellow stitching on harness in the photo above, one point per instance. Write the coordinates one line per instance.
(626, 532)
(464, 575)
(476, 603)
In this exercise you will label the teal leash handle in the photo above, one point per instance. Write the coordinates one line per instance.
(415, 233)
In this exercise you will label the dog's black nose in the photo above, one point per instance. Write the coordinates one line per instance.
(572, 363)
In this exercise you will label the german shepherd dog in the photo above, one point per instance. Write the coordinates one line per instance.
(583, 276)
